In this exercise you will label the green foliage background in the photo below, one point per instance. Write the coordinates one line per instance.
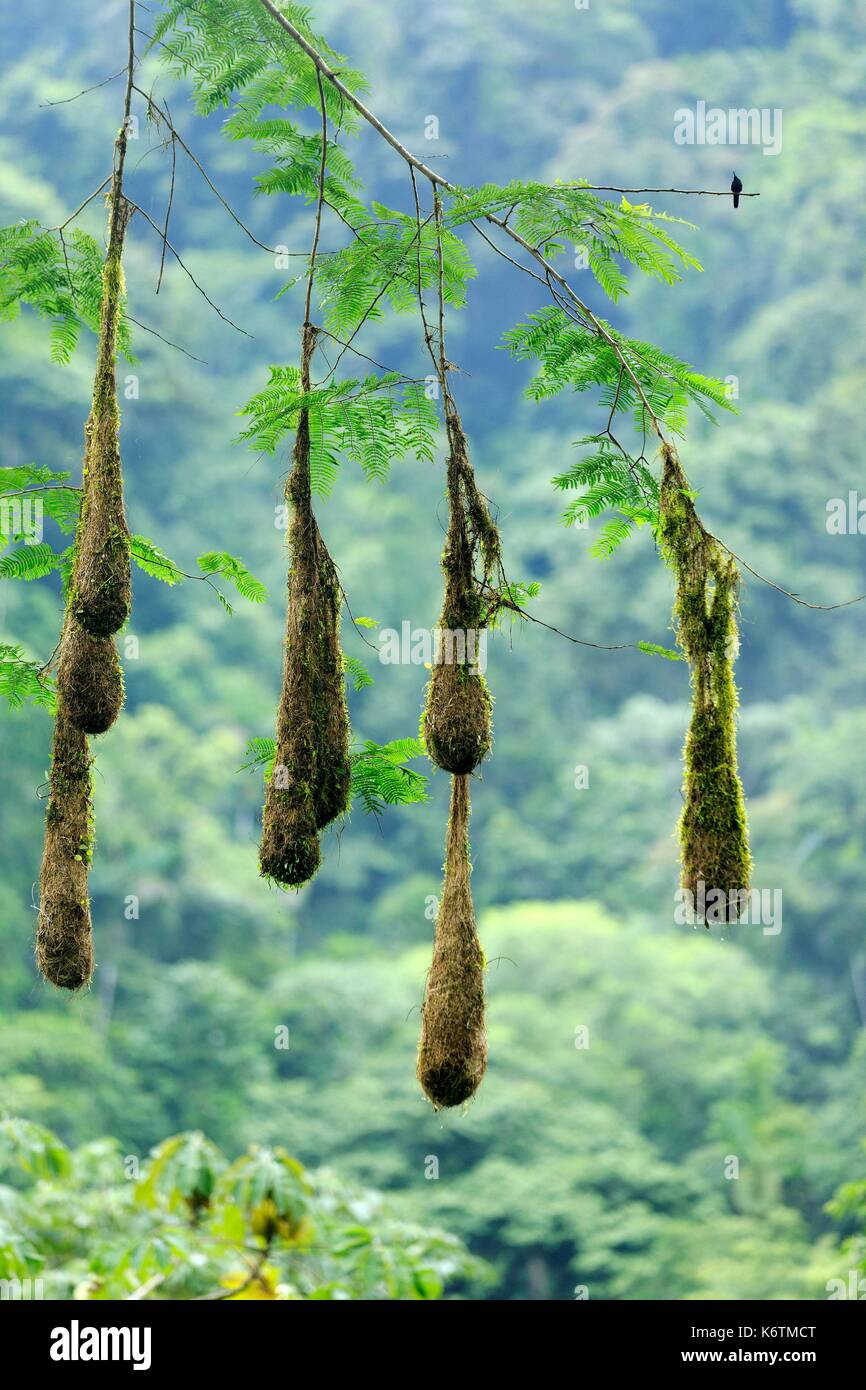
(598, 1166)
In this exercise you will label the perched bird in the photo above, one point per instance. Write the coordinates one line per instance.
(736, 189)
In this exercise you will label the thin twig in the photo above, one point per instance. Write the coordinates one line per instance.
(319, 204)
(44, 487)
(146, 1289)
(428, 333)
(168, 342)
(694, 192)
(167, 212)
(513, 607)
(187, 271)
(372, 305)
(415, 381)
(440, 275)
(255, 1270)
(359, 630)
(117, 223)
(89, 199)
(505, 256)
(795, 598)
(64, 101)
(166, 117)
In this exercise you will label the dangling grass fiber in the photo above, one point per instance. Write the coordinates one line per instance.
(452, 1054)
(64, 939)
(458, 715)
(713, 830)
(101, 589)
(310, 782)
(90, 677)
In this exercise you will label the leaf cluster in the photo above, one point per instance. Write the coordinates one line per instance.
(370, 422)
(58, 276)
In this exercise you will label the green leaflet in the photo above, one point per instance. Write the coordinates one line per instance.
(380, 779)
(154, 561)
(610, 478)
(30, 562)
(148, 556)
(21, 680)
(612, 234)
(382, 265)
(236, 572)
(357, 672)
(232, 50)
(379, 775)
(60, 280)
(26, 488)
(652, 649)
(370, 422)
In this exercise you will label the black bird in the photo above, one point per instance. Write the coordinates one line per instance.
(736, 189)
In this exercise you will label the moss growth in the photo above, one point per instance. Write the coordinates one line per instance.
(310, 783)
(90, 678)
(458, 724)
(458, 715)
(101, 589)
(713, 829)
(64, 940)
(333, 769)
(452, 1054)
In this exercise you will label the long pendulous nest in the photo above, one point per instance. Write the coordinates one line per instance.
(458, 715)
(714, 838)
(452, 1053)
(309, 785)
(64, 940)
(90, 678)
(101, 589)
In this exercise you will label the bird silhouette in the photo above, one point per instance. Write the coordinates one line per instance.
(736, 189)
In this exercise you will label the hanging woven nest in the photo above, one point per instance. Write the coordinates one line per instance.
(309, 785)
(90, 677)
(101, 588)
(458, 715)
(64, 939)
(452, 1054)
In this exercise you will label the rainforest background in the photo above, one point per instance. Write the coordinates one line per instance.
(602, 1166)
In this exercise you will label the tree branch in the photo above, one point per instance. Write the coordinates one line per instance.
(64, 101)
(187, 271)
(438, 181)
(165, 116)
(692, 192)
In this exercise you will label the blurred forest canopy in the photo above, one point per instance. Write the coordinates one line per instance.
(598, 1165)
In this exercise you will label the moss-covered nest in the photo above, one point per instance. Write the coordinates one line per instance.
(64, 940)
(310, 782)
(458, 719)
(452, 1054)
(458, 714)
(90, 678)
(713, 828)
(101, 591)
